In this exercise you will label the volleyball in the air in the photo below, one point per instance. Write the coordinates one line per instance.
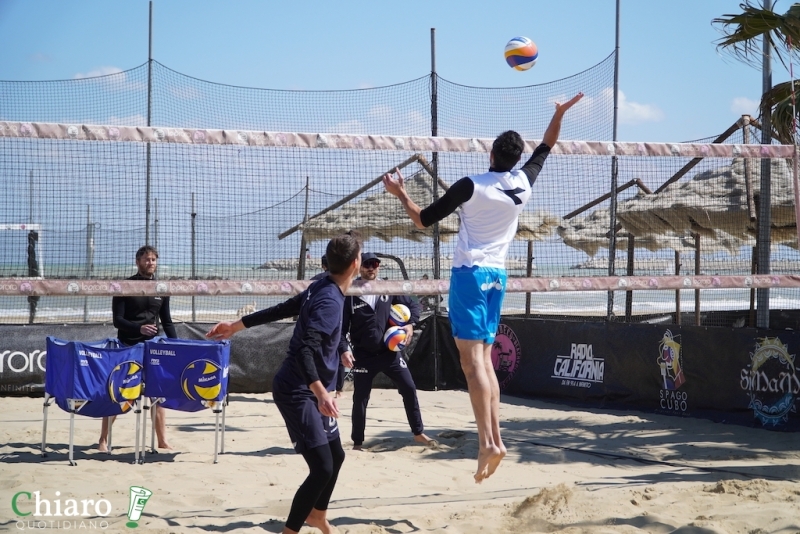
(399, 315)
(395, 338)
(202, 380)
(521, 53)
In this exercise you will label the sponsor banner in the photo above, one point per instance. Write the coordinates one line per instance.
(255, 355)
(744, 376)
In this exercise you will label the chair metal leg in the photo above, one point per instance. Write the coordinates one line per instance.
(47, 401)
(146, 407)
(137, 409)
(71, 404)
(110, 427)
(222, 445)
(153, 427)
(216, 433)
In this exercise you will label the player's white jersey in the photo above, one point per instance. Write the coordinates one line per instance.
(489, 219)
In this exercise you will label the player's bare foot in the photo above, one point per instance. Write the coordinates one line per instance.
(486, 457)
(494, 462)
(318, 519)
(102, 446)
(165, 445)
(356, 447)
(425, 440)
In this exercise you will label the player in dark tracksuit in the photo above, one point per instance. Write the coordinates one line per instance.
(366, 319)
(302, 386)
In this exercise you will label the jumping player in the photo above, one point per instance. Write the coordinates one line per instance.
(490, 207)
(302, 386)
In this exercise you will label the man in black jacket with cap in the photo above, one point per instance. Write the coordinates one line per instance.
(366, 319)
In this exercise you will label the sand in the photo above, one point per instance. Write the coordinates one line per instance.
(568, 470)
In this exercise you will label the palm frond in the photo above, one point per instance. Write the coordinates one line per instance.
(741, 33)
(783, 116)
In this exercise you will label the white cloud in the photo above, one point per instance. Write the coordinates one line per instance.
(744, 106)
(636, 113)
(102, 71)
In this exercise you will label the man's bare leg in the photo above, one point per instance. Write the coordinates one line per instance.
(479, 383)
(494, 462)
(105, 427)
(159, 415)
(319, 519)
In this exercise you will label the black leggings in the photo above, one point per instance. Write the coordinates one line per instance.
(315, 492)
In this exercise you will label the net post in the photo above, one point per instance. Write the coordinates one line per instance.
(194, 255)
(631, 266)
(89, 258)
(435, 179)
(765, 202)
(677, 291)
(529, 273)
(697, 273)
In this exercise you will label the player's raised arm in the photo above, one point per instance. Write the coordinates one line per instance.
(398, 189)
(554, 128)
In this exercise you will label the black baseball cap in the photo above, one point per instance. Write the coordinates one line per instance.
(369, 256)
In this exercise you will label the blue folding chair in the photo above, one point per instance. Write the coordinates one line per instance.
(94, 379)
(187, 375)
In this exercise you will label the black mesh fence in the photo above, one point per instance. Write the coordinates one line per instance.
(234, 211)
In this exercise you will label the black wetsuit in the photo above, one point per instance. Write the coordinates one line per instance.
(130, 313)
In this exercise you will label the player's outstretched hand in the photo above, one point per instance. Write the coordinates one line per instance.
(562, 108)
(225, 330)
(394, 187)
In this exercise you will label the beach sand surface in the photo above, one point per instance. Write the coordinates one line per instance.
(568, 470)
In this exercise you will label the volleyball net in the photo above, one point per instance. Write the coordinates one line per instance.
(242, 217)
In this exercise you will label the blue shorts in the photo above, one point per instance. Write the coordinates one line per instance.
(307, 427)
(475, 301)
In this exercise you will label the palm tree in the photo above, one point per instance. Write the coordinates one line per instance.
(741, 34)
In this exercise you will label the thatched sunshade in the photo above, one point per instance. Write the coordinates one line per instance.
(381, 215)
(590, 234)
(714, 202)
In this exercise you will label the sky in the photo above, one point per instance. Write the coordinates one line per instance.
(674, 84)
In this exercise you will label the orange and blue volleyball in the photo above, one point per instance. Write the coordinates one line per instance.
(395, 338)
(521, 53)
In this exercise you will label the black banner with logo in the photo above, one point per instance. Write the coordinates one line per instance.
(745, 376)
(256, 353)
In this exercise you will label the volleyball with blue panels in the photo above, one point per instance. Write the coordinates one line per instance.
(399, 315)
(521, 53)
(395, 338)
